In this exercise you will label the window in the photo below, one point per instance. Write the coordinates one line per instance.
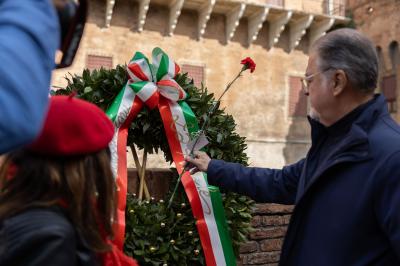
(194, 72)
(394, 55)
(297, 98)
(97, 61)
(381, 61)
(388, 87)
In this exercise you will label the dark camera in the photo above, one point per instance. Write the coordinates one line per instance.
(72, 17)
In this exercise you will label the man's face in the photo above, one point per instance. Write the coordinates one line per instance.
(319, 92)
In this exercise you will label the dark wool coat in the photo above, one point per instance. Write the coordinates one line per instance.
(348, 211)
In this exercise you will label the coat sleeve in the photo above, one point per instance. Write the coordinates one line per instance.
(38, 238)
(29, 37)
(387, 200)
(260, 184)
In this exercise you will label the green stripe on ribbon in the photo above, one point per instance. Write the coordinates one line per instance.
(137, 86)
(162, 64)
(220, 219)
(215, 195)
(190, 118)
(138, 56)
(112, 111)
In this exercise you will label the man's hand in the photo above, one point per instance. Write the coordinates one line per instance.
(199, 162)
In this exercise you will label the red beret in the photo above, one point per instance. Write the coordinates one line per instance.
(73, 127)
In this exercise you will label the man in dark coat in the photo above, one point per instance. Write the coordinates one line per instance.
(347, 190)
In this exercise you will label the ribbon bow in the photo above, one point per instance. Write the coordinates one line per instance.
(148, 81)
(145, 85)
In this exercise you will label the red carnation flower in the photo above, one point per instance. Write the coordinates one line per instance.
(248, 63)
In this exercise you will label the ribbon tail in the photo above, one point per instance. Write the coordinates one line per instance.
(123, 111)
(206, 202)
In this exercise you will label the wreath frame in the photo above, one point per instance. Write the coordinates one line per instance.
(156, 234)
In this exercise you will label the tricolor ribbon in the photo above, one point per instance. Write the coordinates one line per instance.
(154, 86)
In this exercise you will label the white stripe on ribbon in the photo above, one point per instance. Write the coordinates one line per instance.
(114, 153)
(144, 66)
(171, 67)
(201, 185)
(169, 92)
(157, 60)
(147, 91)
(123, 112)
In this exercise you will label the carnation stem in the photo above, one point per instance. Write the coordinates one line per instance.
(204, 126)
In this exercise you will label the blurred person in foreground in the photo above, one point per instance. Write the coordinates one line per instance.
(29, 38)
(30, 34)
(346, 191)
(57, 196)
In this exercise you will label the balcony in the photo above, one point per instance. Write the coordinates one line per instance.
(307, 18)
(327, 7)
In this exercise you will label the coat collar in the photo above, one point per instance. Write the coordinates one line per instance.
(353, 144)
(363, 116)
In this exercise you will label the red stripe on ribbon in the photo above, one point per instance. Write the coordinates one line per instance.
(152, 102)
(187, 181)
(177, 69)
(122, 174)
(168, 83)
(137, 71)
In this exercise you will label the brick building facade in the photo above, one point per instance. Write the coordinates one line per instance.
(380, 21)
(208, 38)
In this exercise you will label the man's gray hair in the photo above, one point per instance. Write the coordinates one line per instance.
(351, 51)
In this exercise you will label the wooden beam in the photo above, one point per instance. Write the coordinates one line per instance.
(255, 23)
(143, 8)
(204, 16)
(232, 20)
(174, 13)
(298, 30)
(276, 27)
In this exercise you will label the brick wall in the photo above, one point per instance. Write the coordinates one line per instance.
(380, 21)
(270, 223)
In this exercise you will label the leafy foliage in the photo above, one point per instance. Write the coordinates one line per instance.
(155, 234)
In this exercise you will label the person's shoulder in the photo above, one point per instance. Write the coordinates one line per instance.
(386, 134)
(38, 223)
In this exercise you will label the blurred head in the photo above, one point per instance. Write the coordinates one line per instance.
(68, 165)
(342, 73)
(83, 185)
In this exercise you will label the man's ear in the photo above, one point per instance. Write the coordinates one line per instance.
(340, 82)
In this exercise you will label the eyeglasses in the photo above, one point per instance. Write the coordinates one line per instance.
(306, 80)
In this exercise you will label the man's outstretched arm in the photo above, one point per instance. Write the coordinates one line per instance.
(260, 184)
